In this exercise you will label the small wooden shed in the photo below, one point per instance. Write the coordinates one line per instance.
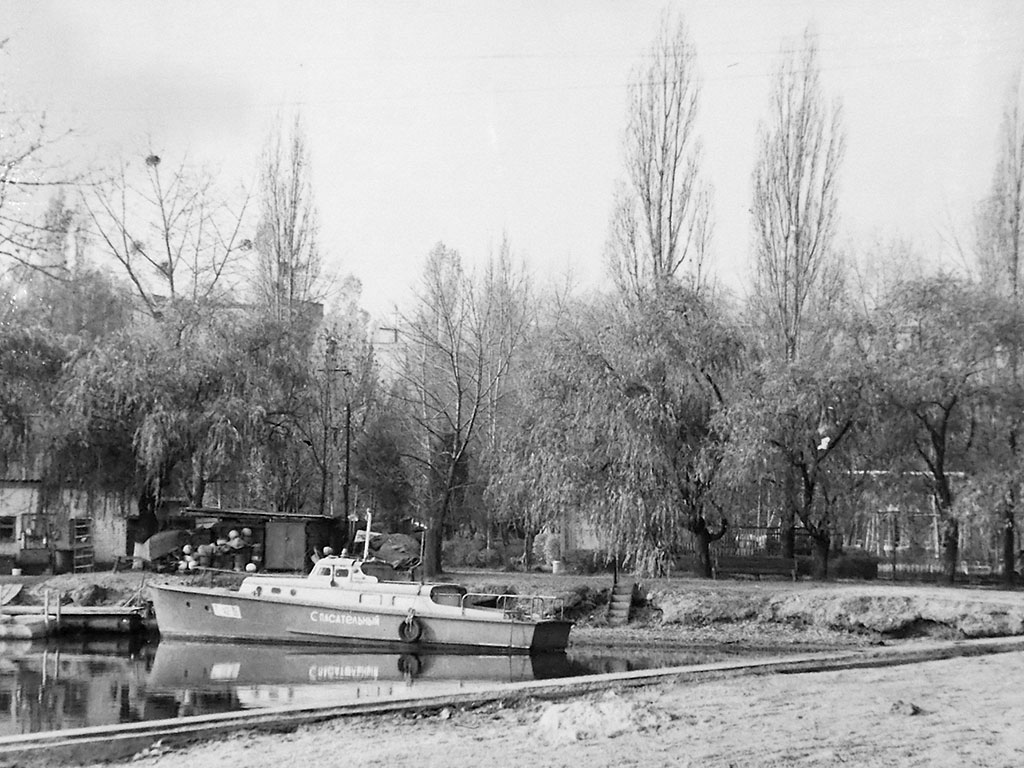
(287, 540)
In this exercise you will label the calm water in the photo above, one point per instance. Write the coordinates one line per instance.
(71, 683)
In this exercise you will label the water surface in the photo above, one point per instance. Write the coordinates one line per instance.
(55, 684)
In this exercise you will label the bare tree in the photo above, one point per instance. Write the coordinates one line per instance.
(27, 175)
(661, 223)
(795, 195)
(1000, 239)
(286, 236)
(458, 349)
(171, 234)
(1000, 219)
(883, 263)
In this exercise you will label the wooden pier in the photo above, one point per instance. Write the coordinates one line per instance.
(20, 625)
(76, 618)
(27, 622)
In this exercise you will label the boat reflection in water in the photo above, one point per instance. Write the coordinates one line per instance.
(73, 682)
(194, 678)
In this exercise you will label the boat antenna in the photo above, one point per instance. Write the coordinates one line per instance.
(366, 544)
(423, 552)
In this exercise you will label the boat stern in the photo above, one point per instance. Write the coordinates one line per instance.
(550, 635)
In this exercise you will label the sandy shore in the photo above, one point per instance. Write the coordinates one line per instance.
(958, 712)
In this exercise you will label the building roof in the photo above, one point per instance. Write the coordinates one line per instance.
(254, 514)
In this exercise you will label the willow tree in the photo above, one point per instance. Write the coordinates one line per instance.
(31, 361)
(534, 477)
(797, 424)
(622, 424)
(170, 408)
(936, 345)
(661, 226)
(1000, 249)
(52, 317)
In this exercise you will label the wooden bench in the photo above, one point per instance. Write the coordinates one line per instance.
(753, 565)
(975, 571)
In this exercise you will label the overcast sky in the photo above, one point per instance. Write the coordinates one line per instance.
(461, 121)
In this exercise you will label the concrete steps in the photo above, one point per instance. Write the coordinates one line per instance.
(619, 603)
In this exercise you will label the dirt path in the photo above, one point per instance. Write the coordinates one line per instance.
(965, 711)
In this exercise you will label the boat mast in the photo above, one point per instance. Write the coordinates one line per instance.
(366, 544)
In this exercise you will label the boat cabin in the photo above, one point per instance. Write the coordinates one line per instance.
(342, 569)
(354, 575)
(356, 571)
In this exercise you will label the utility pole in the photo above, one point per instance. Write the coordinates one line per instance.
(327, 482)
(348, 456)
(331, 369)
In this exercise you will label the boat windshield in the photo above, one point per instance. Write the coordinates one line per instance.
(325, 570)
(447, 594)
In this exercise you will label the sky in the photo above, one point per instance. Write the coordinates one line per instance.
(465, 121)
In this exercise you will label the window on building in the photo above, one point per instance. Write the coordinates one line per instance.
(7, 528)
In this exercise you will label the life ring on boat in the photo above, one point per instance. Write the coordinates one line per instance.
(409, 665)
(410, 629)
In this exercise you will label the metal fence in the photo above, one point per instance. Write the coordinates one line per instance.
(905, 542)
(760, 540)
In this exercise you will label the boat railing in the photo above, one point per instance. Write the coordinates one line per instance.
(516, 606)
(204, 576)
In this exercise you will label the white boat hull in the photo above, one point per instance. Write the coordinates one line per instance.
(225, 615)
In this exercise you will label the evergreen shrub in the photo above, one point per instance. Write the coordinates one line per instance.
(854, 564)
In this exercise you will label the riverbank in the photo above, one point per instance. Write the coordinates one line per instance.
(679, 612)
